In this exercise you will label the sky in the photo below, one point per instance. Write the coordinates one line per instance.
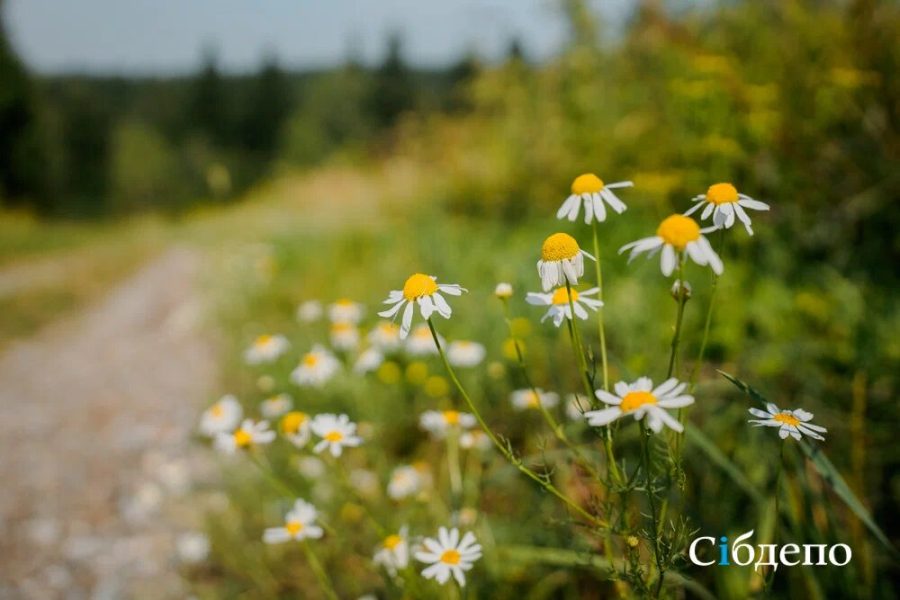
(169, 36)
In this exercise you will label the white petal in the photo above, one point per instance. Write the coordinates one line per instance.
(407, 320)
(607, 397)
(599, 418)
(668, 260)
(567, 206)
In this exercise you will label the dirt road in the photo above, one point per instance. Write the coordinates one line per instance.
(96, 414)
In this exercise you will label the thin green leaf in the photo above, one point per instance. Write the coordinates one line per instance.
(718, 457)
(828, 472)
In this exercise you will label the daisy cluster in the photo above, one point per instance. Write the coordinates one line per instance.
(398, 348)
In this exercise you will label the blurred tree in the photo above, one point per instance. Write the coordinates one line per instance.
(270, 102)
(144, 169)
(331, 115)
(207, 111)
(392, 88)
(459, 77)
(23, 155)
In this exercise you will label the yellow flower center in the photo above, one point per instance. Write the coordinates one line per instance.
(263, 340)
(450, 557)
(342, 327)
(559, 246)
(392, 541)
(216, 410)
(242, 438)
(534, 400)
(678, 231)
(561, 296)
(722, 193)
(345, 302)
(587, 184)
(293, 421)
(422, 332)
(334, 436)
(787, 419)
(634, 400)
(419, 285)
(294, 527)
(310, 359)
(451, 417)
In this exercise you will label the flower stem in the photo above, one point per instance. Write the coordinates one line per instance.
(708, 321)
(645, 456)
(557, 429)
(600, 328)
(321, 575)
(589, 388)
(676, 337)
(504, 450)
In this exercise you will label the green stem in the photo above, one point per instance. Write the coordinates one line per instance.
(771, 577)
(589, 388)
(558, 430)
(600, 328)
(708, 321)
(321, 575)
(506, 452)
(645, 457)
(682, 300)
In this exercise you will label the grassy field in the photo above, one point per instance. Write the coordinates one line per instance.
(349, 235)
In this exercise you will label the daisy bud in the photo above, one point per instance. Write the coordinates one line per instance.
(503, 291)
(680, 292)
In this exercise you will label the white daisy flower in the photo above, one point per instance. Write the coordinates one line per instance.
(393, 552)
(425, 291)
(336, 431)
(406, 481)
(385, 336)
(794, 423)
(309, 311)
(504, 291)
(526, 398)
(266, 349)
(591, 190)
(448, 555)
(249, 434)
(368, 361)
(677, 235)
(562, 260)
(439, 422)
(345, 311)
(221, 417)
(576, 406)
(421, 342)
(464, 353)
(316, 367)
(476, 439)
(344, 336)
(558, 302)
(641, 398)
(276, 406)
(299, 524)
(295, 427)
(723, 202)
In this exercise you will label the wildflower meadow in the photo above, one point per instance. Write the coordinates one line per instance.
(507, 300)
(439, 432)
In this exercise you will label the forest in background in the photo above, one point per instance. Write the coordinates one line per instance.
(81, 146)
